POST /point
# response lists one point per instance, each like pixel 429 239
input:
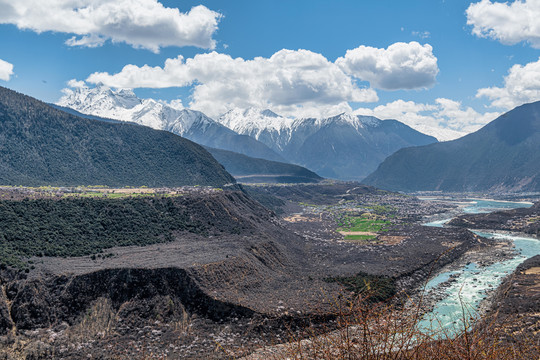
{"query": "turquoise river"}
pixel 472 283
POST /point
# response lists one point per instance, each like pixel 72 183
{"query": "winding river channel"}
pixel 472 283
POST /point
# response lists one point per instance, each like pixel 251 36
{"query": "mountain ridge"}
pixel 252 170
pixel 504 155
pixel 124 105
pixel 41 145
pixel 345 146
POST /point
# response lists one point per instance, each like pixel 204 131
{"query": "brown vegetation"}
pixel 384 332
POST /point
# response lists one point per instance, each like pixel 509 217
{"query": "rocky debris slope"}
pixel 322 193
pixel 516 307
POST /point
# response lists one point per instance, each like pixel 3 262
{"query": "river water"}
pixel 472 283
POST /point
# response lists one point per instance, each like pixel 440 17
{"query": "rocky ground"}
pixel 516 305
pixel 251 280
pixel 524 220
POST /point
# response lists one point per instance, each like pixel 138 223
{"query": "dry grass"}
pixel 386 332
pixel 301 218
pixel 98 322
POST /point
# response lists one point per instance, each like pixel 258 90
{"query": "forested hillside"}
pixel 40 145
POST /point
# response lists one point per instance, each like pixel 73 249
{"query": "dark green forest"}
pixel 86 226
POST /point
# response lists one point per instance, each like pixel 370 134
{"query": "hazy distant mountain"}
pixel 41 145
pixel 502 156
pixel 251 170
pixel 344 146
pixel 124 105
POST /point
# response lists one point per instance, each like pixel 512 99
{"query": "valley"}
pixel 184 251
pixel 269 180
pixel 344 146
pixel 231 278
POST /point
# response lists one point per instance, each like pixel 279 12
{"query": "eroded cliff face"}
pixel 6 323
pixel 134 295
pixel 232 248
pixel 114 313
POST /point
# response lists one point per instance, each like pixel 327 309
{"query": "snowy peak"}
pixel 369 120
pixel 125 98
pixel 356 121
pixel 252 121
pixel 101 98
pixel 101 101
pixel 269 113
pixel 279 133
pixel 182 121
pixel 125 105
pixel 193 125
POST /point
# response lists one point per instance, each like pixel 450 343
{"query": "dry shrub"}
pixel 98 322
pixel 388 332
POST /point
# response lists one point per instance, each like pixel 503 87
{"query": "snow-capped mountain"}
pixel 124 105
pixel 264 125
pixel 344 146
pixel 250 119
pixel 276 131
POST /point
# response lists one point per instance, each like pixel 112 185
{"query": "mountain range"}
pixel 503 156
pixel 124 105
pixel 344 147
pixel 244 168
pixel 41 145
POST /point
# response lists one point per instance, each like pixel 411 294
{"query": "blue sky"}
pixel 470 50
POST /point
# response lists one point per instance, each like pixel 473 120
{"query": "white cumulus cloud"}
pixel 74 83
pixel 6 70
pixel 292 82
pixel 140 23
pixel 444 119
pixel 509 23
pixel 400 66
pixel 521 85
